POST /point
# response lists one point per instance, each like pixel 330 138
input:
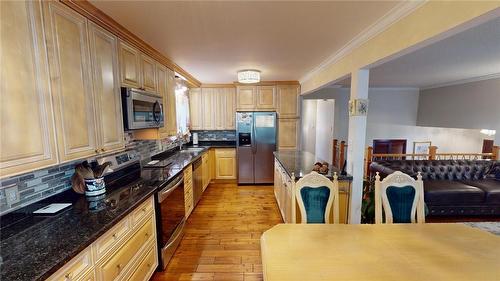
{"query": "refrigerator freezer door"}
pixel 244 147
pixel 264 146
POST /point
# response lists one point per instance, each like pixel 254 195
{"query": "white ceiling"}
pixel 470 54
pixel 213 39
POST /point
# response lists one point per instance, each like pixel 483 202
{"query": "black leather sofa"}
pixel 452 187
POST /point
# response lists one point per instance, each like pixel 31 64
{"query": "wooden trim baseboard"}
pixel 100 18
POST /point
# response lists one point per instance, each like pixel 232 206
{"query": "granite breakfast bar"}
pixel 296 164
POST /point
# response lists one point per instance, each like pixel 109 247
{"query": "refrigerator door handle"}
pixel 254 137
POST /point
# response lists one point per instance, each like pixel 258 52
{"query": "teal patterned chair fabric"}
pixel 316 195
pixel 400 197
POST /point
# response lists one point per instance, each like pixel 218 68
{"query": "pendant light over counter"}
pixel 249 76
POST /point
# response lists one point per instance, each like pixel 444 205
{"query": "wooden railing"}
pixel 339 153
pixel 432 155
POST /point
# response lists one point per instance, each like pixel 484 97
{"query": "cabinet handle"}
pixel 114 236
pixel 119 267
pixel 143 210
pixel 149 264
pixel 147 234
pixel 68 276
pixel 97 151
pixel 102 149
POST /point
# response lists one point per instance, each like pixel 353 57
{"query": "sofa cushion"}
pixel 444 192
pixel 490 186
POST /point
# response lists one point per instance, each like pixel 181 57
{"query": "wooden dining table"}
pixel 426 252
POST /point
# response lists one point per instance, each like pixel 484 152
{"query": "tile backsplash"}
pixel 37 185
pixel 221 135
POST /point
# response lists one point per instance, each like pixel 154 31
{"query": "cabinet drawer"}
pixel 111 238
pixel 76 268
pixel 142 212
pixel 118 263
pixel 146 266
pixel 225 152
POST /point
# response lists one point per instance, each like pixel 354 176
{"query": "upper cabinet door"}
pixel 288 134
pixel 246 97
pixel 104 56
pixel 195 109
pixel 71 81
pixel 148 66
pixel 230 110
pixel 219 109
pixel 266 97
pixel 208 108
pixel 130 65
pixel 171 111
pixel 26 128
pixel 287 101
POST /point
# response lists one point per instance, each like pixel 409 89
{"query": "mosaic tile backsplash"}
pixel 37 185
pixel 222 135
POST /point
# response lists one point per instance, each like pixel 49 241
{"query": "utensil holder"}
pixel 94 187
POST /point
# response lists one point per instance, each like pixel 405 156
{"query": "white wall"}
pixel 308 126
pixel 446 139
pixel 474 105
pixel 324 129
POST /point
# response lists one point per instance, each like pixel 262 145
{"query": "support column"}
pixel 356 143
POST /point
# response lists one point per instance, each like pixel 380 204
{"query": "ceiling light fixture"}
pixel 249 76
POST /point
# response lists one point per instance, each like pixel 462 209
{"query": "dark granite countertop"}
pixel 301 163
pixel 38 246
pixel 214 144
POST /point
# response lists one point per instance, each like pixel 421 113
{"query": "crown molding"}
pixel 463 81
pixel 394 15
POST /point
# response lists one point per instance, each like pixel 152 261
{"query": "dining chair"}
pixel 316 194
pixel 400 197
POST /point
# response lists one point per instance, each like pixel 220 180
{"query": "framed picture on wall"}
pixel 421 147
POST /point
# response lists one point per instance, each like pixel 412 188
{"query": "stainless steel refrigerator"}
pixel 256 142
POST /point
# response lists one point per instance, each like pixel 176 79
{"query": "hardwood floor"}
pixel 222 240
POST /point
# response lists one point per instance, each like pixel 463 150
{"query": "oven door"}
pixel 142 110
pixel 171 218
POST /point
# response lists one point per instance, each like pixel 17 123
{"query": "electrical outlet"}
pixel 12 195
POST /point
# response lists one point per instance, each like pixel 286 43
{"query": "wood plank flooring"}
pixel 222 240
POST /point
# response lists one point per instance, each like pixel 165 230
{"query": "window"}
pixel 182 108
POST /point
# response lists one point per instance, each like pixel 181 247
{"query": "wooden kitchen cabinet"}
pixel 287 96
pixel 72 90
pixel 25 92
pixel 246 98
pixel 128 251
pixel 137 69
pixel 266 98
pixel 225 163
pixel 230 109
pixel 208 102
pixel 211 162
pixel 195 109
pixel 108 107
pixel 288 134
pixel 148 74
pixel 130 66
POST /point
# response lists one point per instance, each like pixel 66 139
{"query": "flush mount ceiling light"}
pixel 248 76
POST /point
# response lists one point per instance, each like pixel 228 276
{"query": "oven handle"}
pixel 164 193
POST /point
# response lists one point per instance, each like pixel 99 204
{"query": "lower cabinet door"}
pixel 118 264
pixel 146 266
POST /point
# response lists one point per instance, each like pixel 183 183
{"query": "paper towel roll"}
pixel 195 138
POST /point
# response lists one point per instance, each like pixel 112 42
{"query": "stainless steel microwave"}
pixel 141 109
